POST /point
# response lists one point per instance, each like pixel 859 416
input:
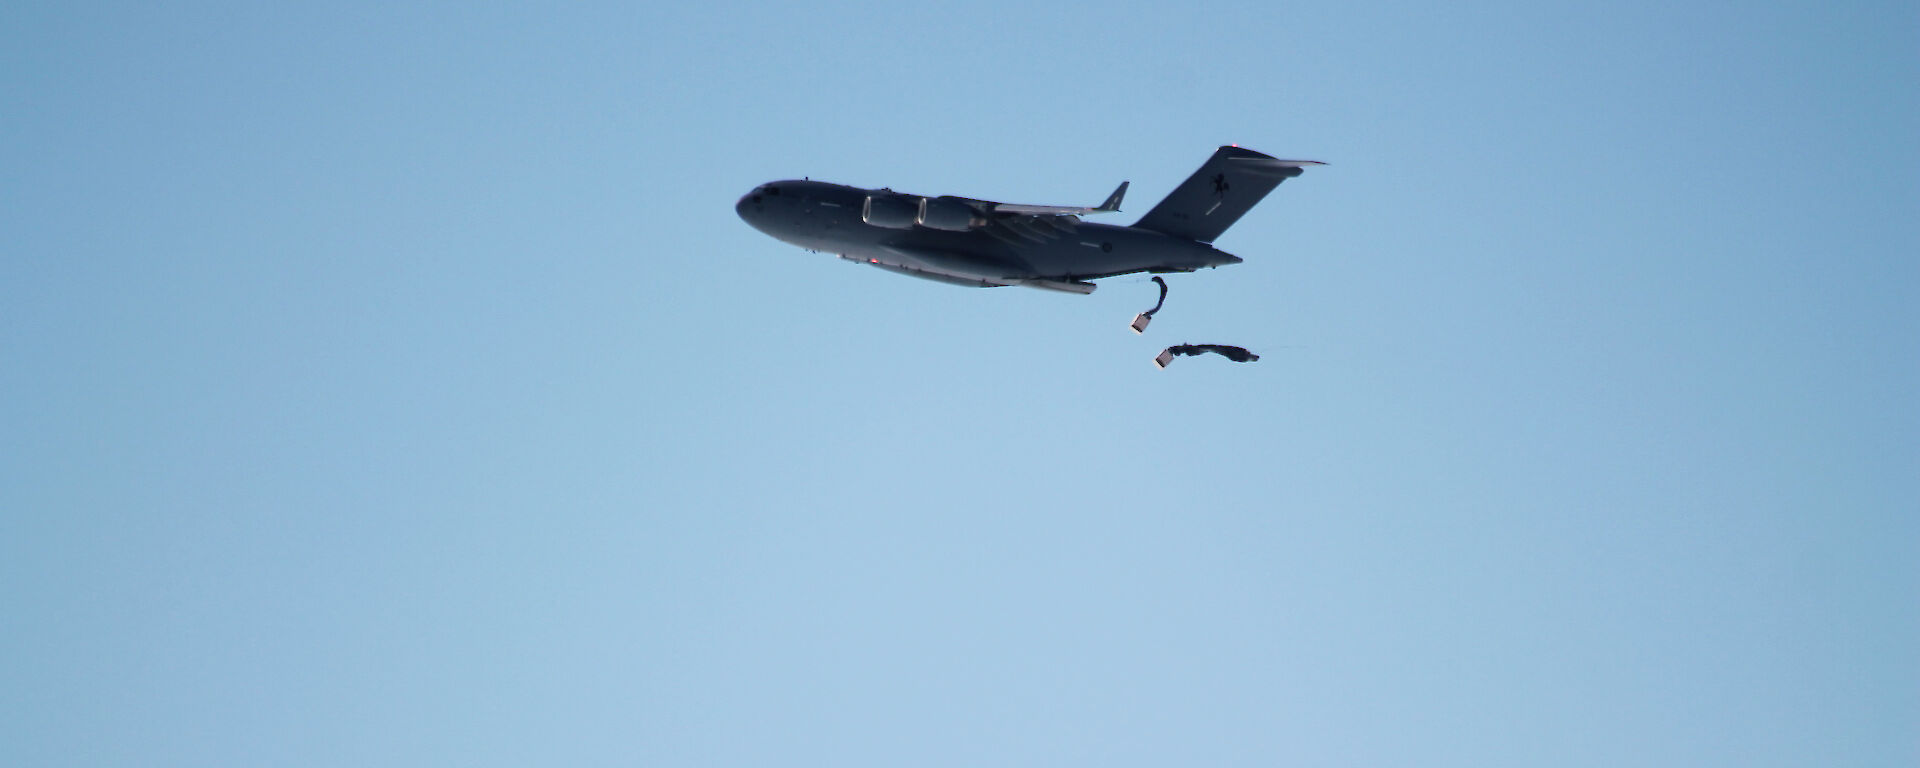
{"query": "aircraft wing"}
pixel 1112 204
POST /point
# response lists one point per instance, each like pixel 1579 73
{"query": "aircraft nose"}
pixel 752 207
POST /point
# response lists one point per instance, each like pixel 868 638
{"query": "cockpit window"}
pixel 772 190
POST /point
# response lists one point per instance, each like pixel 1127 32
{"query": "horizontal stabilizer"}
pixel 1276 165
pixel 1227 186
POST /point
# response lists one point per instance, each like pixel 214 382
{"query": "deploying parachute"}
pixel 1140 321
pixel 1236 354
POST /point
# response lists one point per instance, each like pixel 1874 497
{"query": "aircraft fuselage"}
pixel 1048 252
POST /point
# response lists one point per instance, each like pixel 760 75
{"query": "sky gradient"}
pixel 396 386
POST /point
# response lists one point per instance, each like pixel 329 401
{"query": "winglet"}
pixel 1112 204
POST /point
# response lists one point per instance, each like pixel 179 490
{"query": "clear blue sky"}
pixel 396 386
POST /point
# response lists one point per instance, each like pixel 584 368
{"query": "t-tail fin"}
pixel 1224 189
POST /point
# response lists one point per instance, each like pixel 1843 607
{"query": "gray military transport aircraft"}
pixel 982 243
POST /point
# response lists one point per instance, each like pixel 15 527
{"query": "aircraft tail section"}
pixel 1214 197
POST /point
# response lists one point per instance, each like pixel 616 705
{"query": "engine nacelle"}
pixel 948 214
pixel 890 211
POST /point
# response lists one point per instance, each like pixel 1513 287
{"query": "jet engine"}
pixel 890 211
pixel 946 213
